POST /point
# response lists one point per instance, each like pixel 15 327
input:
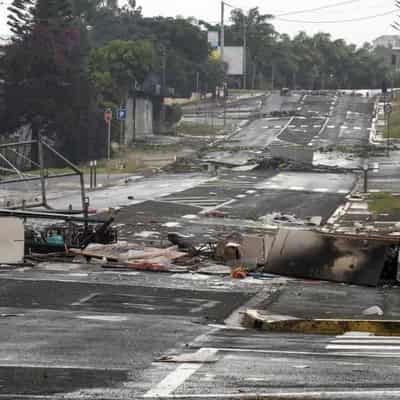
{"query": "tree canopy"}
pixel 69 58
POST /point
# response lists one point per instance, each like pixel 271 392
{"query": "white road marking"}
pixel 371 345
pixel 367 340
pixel 321 190
pixel 331 126
pixel 178 376
pixel 85 299
pixel 350 394
pixel 273 187
pixel 210 304
pixel 297 188
pixel 357 128
pixel 361 347
pixel 105 318
pixel 228 203
pixel 343 191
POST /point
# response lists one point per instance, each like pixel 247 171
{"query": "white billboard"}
pixel 213 39
pixel 234 57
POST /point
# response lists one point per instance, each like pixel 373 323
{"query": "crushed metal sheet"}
pixel 219 270
pixel 311 255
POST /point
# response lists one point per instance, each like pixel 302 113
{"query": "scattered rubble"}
pixel 375 310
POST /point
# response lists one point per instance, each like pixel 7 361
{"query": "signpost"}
pixel 121 114
pixel 121 117
pixel 108 115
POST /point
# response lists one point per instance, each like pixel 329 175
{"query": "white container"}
pixel 12 240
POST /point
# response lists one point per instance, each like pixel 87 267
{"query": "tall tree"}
pixel 115 68
pixel 44 71
pixel 20 18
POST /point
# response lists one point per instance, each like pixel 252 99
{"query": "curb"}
pixel 277 323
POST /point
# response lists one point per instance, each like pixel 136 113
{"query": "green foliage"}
pixel 309 62
pixel 44 73
pixel 115 68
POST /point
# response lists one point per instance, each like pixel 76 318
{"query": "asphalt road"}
pixel 85 333
pixel 274 366
pixel 63 332
pixel 321 121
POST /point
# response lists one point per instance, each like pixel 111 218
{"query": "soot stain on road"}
pixel 46 381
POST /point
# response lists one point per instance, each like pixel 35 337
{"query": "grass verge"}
pixel 187 128
pixel 383 202
pixel 394 131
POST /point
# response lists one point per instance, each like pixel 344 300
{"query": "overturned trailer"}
pixel 361 260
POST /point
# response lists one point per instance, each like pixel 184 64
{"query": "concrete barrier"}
pixel 276 323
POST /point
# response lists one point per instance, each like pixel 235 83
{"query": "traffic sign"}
pixel 121 114
pixel 108 116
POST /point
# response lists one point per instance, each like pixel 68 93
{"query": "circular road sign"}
pixel 108 116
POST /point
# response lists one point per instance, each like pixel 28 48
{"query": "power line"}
pixel 338 21
pixel 334 5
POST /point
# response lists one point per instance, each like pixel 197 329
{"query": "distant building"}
pixel 388 41
pixel 388 48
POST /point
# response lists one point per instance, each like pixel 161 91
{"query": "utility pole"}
pixel 197 82
pixel 273 76
pixel 222 30
pixel 244 52
pixel 164 69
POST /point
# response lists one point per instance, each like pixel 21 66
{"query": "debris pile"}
pixel 132 256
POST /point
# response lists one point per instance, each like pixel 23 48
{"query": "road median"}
pixel 277 323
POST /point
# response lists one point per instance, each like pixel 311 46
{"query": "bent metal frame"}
pixel 22 176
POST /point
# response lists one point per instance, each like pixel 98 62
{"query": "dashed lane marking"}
pixel 297 188
pixel 321 190
pixel 85 299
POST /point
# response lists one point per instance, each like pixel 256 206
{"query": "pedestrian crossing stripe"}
pixel 365 343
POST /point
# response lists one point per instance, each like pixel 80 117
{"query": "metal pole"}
pixel 365 180
pixel 244 52
pixel 83 194
pixel 164 70
pixel 91 174
pixel 273 76
pixel 109 140
pixel 42 176
pixel 86 213
pixel 222 30
pixel 197 82
pixel 388 133
pixel 95 174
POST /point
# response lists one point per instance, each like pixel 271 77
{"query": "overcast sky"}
pixel 355 32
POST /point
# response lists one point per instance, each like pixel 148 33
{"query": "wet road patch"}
pixel 51 380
